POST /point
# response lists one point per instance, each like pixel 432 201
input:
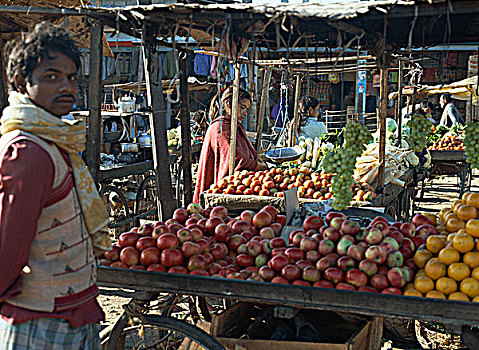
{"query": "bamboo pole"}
pixel 297 92
pixel 3 87
pixel 161 158
pixel 262 108
pixel 185 132
pixel 382 124
pixel 234 118
pixel 399 103
pixel 94 99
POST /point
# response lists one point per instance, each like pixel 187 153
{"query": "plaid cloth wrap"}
pixel 48 333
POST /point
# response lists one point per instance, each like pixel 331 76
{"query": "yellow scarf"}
pixel 23 115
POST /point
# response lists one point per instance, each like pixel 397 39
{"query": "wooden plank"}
pixel 234 118
pixel 262 108
pixel 185 132
pixel 297 92
pixel 164 200
pixel 445 311
pixel 125 170
pixel 383 95
pixel 94 99
pixel 399 115
pixel 3 80
pixel 375 333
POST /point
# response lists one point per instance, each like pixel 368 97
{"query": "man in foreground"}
pixel 52 221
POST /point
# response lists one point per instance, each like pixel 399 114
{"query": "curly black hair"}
pixel 305 104
pixel 25 53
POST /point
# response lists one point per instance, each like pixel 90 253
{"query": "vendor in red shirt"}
pixel 52 220
pixel 215 153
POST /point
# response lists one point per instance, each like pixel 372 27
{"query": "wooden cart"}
pixel 450 163
pixel 454 315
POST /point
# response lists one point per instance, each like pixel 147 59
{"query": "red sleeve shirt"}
pixel 26 179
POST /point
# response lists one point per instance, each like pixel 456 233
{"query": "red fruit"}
pixel 190 248
pixel 180 215
pixel 129 256
pixel 281 219
pixel 222 233
pixel 211 224
pixel 304 263
pixel 345 286
pixel 311 274
pixel 272 211
pixel 396 277
pixel 114 253
pixel 199 272
pixel 294 254
pixel 326 246
pixel 334 214
pixel 262 219
pixel 292 234
pixel 391 290
pixel 105 262
pixel 128 239
pixel 379 281
pixel 332 234
pixel 350 227
pixel 235 276
pixel 368 266
pixel 145 230
pixel 150 256
pixel 184 235
pixel 368 289
pixel 218 250
pixel 323 284
pixel 278 262
pixel 266 273
pixel 420 219
pixel 356 277
pixel 236 241
pixel 297 238
pixel 290 272
pixel 334 275
pixel 278 251
pixel 346 263
pixel 171 257
pixel 267 232
pixel 408 229
pixel 214 268
pixel 313 256
pixel 333 257
pixel 244 260
pixel 241 226
pixel 280 280
pixel 247 234
pixel 308 243
pixel 323 264
pixel 178 270
pixel 301 283
pixel 277 242
pixel 219 211
pixel 137 267
pixel 425 231
pixel 247 216
pixel 276 227
pixel 119 265
pixel 313 222
pixel 156 267
pixel 204 244
pixel 196 262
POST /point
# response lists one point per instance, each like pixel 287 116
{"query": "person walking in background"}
pixel 450 115
pixel 52 220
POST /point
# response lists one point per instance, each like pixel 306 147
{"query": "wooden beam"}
pixel 94 99
pixel 234 118
pixel 297 92
pixel 3 81
pixel 185 132
pixel 399 115
pixel 156 102
pixel 383 100
pixel 262 108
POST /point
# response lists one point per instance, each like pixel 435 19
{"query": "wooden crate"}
pixel 230 326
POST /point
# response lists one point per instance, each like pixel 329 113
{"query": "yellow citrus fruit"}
pixel 446 285
pixel 458 271
pixel 455 205
pixel 463 242
pixel 435 269
pixel 465 196
pixel 471 259
pixel 443 213
pixel 449 255
pixel 475 273
pixel 454 224
pixel 435 295
pixel 470 287
pixel 450 237
pixel 421 258
pixel 466 212
pixel 409 286
pixel 413 293
pixel 435 243
pixel 475 300
pixel 473 200
pixel 423 284
pixel 462 230
pixel 458 296
pixel 472 228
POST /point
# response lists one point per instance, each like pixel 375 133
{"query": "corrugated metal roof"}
pixel 332 11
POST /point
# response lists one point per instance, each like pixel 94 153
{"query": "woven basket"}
pixel 401 332
pixel 433 336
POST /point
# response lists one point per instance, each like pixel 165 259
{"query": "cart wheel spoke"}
pixel 146 196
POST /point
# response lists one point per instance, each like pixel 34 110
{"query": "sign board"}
pixel 291 202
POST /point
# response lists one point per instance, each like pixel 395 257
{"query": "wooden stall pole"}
pixel 383 90
pixel 399 103
pixel 3 87
pixel 185 131
pixel 262 108
pixel 161 159
pixel 234 118
pixel 94 99
pixel 297 92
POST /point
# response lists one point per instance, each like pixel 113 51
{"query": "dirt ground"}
pixel 437 195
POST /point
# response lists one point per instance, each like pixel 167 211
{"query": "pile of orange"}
pixel 449 266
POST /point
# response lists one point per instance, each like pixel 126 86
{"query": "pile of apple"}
pixel 198 241
pixel 274 182
pixel 377 258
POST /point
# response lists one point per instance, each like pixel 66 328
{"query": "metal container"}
pixel 144 140
pixel 129 147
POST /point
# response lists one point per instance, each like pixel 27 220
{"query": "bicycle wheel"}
pixel 146 196
pixel 157 332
